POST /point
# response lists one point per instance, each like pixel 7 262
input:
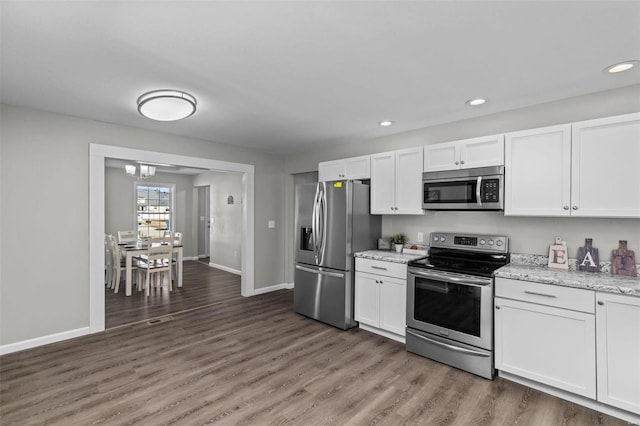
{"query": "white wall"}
pixel 528 235
pixel 226 219
pixel 48 155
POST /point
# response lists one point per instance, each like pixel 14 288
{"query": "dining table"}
pixel 139 247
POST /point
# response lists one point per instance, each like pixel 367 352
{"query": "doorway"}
pixel 203 215
pixel 97 156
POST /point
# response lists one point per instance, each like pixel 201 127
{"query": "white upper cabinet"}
pixel 396 182
pixel 346 168
pixel 465 154
pixel 538 172
pixel 605 167
pixel 588 169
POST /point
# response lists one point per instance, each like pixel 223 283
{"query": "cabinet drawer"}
pixel 546 294
pixel 380 267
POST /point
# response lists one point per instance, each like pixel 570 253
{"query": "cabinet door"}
pixel 358 167
pixel 538 172
pixel 442 156
pixel 618 331
pixel 383 178
pixel 331 170
pixel 367 299
pixel 482 152
pixel 408 183
pixel 605 174
pixel 549 345
pixel 393 305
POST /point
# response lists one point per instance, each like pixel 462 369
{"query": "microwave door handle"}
pixel 478 191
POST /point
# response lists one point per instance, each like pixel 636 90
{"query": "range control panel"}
pixel 473 242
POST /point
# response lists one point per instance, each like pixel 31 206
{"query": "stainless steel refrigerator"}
pixel 332 222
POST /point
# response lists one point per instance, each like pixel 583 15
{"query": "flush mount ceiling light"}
pixel 385 123
pixel 146 171
pixel 476 101
pixel 166 105
pixel 621 66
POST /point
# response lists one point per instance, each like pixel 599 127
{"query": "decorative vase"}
pixel 399 248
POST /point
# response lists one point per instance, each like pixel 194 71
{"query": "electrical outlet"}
pixel 420 237
pixel 271 224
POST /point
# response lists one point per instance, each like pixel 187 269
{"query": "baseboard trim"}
pixel 382 332
pixel 225 268
pixel 578 399
pixel 44 340
pixel 276 287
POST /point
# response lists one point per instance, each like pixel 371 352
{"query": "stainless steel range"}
pixel 450 300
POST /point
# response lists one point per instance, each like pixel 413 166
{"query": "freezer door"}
pixel 324 295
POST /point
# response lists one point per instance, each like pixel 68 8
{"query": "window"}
pixel 154 214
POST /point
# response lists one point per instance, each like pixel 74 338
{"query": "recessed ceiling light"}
pixel 476 101
pixel 385 123
pixel 166 105
pixel 620 67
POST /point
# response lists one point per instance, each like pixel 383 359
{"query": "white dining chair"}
pixel 177 240
pixel 108 260
pixel 118 264
pixel 156 263
pixel 127 237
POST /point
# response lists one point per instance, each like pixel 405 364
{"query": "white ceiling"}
pixel 292 76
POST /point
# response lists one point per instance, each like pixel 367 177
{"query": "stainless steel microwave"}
pixel 465 189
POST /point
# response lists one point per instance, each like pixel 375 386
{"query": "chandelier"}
pixel 146 171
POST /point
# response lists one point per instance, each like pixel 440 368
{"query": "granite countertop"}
pixel 598 281
pixel 388 256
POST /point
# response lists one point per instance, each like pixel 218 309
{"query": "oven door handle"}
pixel 451 278
pixel 450 347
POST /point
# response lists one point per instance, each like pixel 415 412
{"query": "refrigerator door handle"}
pixel 314 222
pixel 323 208
pixel 319 272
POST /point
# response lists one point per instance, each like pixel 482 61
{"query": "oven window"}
pixel 451 306
pixel 450 192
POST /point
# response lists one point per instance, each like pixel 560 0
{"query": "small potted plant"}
pixel 398 241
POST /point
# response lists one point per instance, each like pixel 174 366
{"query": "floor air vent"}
pixel 159 320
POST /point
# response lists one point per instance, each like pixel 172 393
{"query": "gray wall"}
pixel 226 226
pixel 528 235
pixel 45 162
pixel 120 204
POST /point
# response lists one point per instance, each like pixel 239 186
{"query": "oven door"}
pixel 455 306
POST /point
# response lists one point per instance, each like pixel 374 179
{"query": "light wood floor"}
pixel 253 361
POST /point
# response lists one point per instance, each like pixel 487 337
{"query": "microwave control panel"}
pixel 490 192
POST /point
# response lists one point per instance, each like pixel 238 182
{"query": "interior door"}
pixel 203 220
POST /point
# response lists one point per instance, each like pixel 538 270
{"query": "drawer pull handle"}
pixel 540 294
pixel 378 267
pixel 600 302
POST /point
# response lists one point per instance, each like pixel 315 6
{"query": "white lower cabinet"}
pixel 381 297
pixel 549 345
pixel 580 341
pixel 618 346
